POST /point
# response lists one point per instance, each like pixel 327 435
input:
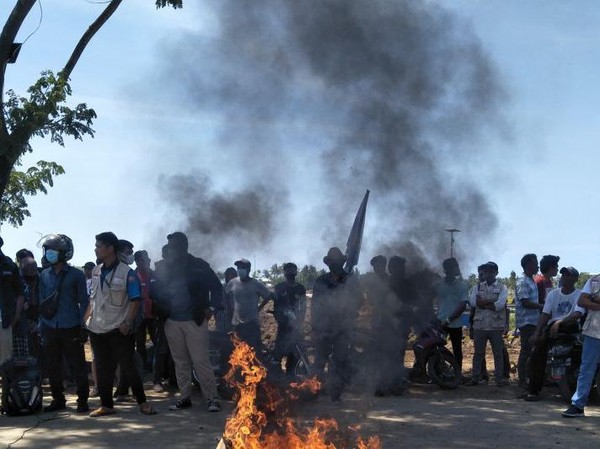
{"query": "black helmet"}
pixel 60 243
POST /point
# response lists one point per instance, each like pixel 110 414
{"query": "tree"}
pixel 44 113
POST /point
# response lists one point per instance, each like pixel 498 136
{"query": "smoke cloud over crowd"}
pixel 395 97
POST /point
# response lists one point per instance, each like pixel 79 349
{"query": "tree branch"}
pixel 87 36
pixel 7 38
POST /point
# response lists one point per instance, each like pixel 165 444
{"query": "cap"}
pixel 242 263
pixel 334 255
pixel 569 271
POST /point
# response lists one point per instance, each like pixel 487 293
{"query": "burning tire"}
pixel 443 370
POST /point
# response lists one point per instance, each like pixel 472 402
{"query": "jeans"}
pixel 589 364
pixel 527 332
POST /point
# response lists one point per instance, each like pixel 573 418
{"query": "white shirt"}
pixel 591 327
pixel 558 305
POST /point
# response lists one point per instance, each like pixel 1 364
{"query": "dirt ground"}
pixel 485 416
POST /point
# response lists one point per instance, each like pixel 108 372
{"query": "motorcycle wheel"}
pixel 443 370
pixel 568 384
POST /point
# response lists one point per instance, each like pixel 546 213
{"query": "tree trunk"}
pixel 7 162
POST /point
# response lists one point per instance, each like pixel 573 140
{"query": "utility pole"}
pixel 452 231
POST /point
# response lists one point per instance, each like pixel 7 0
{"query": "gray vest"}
pixel 109 301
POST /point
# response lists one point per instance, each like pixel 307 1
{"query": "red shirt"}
pixel 145 283
pixel 543 285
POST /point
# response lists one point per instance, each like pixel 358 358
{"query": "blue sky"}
pixel 540 180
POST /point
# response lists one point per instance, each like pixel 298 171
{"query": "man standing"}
pixel 560 314
pixel 590 357
pixel 147 325
pixel 114 304
pixel 528 310
pixel 548 269
pixel 188 287
pixel 489 321
pixel 334 310
pixel 452 296
pixel 246 293
pixel 63 333
pixel 289 310
pixel 11 304
pixel 223 317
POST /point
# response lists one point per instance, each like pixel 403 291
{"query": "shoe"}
pixel 213 405
pixel 147 409
pixel 102 411
pixel 83 407
pixel 532 397
pixel 181 404
pixel 473 383
pixel 158 387
pixel 573 412
pixel 502 383
pixel 55 406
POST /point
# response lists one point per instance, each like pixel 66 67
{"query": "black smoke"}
pixel 394 96
pixel 223 226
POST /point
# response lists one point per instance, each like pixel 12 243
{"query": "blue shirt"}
pixel 134 286
pixel 526 289
pixel 72 299
pixel 450 295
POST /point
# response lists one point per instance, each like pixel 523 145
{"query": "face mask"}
pixel 126 258
pixel 242 272
pixel 52 256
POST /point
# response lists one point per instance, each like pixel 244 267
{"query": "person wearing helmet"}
pixel 63 333
pixel 334 311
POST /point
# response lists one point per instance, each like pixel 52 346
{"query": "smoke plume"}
pixel 391 96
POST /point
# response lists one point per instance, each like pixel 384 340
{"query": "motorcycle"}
pixel 434 360
pixel 563 362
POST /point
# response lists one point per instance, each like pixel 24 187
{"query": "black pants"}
pixel 110 349
pixel 147 327
pixel 65 343
pixel 456 334
pixel 250 333
pixel 335 348
pixel 162 365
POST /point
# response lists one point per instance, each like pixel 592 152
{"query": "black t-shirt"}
pixel 288 296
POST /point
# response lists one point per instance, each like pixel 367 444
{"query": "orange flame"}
pixel 250 428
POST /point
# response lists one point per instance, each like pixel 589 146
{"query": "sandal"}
pixel 147 409
pixel 102 411
pixel 531 397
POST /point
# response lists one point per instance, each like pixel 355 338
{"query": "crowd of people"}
pixel 51 313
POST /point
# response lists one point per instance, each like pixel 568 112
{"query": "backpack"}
pixel 21 386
